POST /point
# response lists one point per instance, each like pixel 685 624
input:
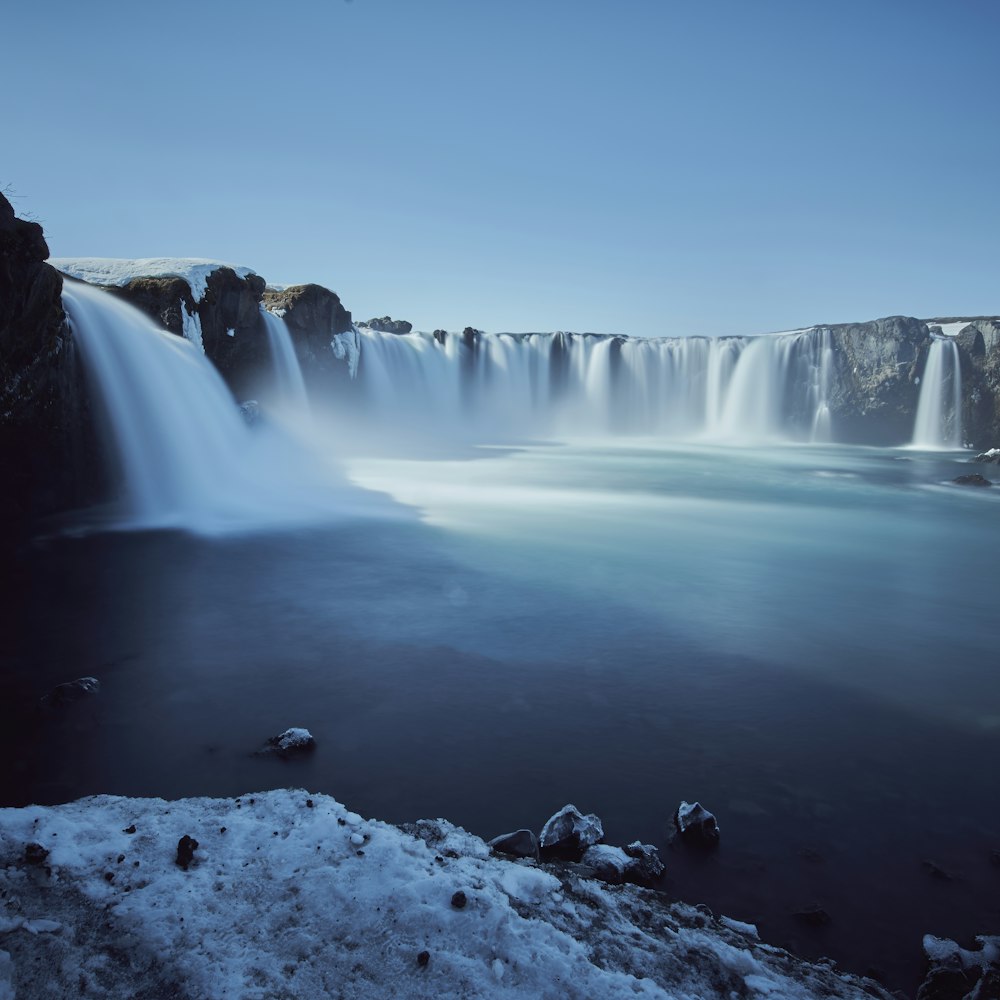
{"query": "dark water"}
pixel 802 639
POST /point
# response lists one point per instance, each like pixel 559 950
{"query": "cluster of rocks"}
pixel 573 838
pixel 386 324
pixel 576 840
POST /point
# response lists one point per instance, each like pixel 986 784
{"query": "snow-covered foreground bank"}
pixel 291 895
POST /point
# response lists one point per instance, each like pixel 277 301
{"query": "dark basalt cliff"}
pixel 44 431
pixel 875 387
pixel 232 329
pixel 979 354
pixel 314 316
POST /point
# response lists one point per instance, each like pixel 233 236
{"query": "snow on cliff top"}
pixel 289 894
pixel 115 271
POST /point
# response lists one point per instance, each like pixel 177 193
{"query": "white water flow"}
pixel 938 423
pixel 184 455
pixel 287 371
pixel 728 390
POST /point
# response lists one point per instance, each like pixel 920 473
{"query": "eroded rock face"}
pixel 43 426
pixel 314 316
pixel 979 357
pixel 226 323
pixel 875 388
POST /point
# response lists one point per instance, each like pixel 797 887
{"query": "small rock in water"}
pixel 696 824
pixel 991 457
pixel 936 871
pixel 290 743
pixel 813 915
pixel 519 844
pixel 973 480
pixel 186 847
pixel 71 691
pixel 250 411
pixel 569 833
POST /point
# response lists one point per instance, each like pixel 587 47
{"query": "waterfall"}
pixel 184 455
pixel 733 389
pixel 938 423
pixel 287 371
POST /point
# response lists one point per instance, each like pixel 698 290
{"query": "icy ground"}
pixel 115 271
pixel 290 895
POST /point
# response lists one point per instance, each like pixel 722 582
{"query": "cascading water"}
pixel 938 424
pixel 184 454
pixel 287 371
pixel 726 390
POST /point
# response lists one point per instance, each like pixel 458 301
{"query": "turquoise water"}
pixel 800 637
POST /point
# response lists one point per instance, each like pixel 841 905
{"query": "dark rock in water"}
pixel 291 743
pixel 973 480
pixel 35 854
pixel 459 899
pixel 696 824
pixel 423 958
pixel 645 866
pixel 991 457
pixel 186 847
pixel 386 324
pixel 947 984
pixel 520 844
pixel 250 410
pixel 441 336
pixel 569 833
pixel 71 692
pixel 936 871
pixel 812 916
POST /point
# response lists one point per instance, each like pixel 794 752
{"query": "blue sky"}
pixel 635 167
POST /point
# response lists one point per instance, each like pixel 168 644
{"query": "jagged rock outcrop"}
pixel 226 322
pixel 979 356
pixel 43 437
pixel 314 316
pixel 875 387
pixel 386 324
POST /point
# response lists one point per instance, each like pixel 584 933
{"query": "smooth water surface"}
pixel 802 638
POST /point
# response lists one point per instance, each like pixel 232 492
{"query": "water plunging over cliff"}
pixel 727 389
pixel 287 371
pixel 938 423
pixel 183 453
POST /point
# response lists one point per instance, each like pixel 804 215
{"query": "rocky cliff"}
pixel 225 321
pixel 875 387
pixel 315 318
pixel 979 354
pixel 44 435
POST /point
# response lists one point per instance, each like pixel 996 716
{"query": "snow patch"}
pixel 278 901
pixel 115 271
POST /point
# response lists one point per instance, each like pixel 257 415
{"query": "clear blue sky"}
pixel 725 166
